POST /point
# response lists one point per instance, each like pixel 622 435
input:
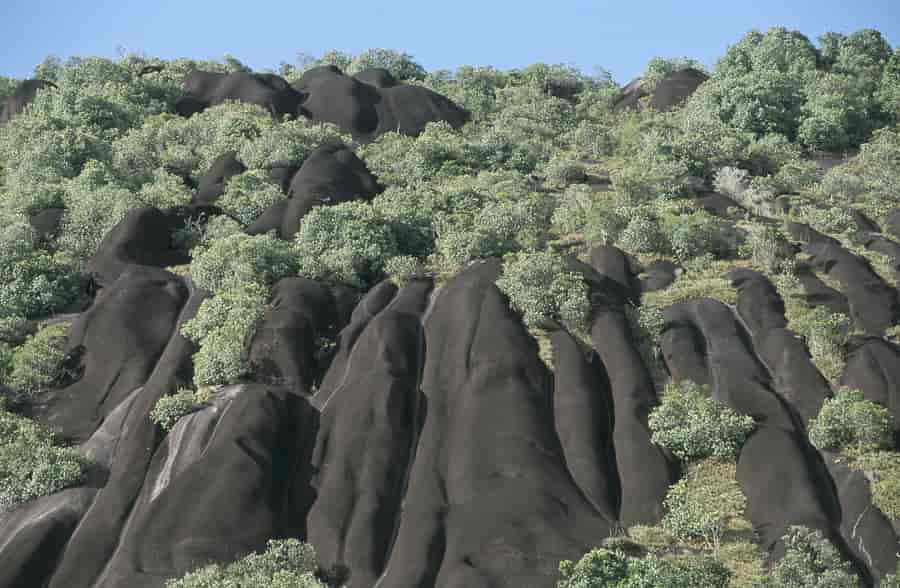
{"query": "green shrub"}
pixel 694 426
pixel 810 561
pixel 850 422
pixel 347 242
pixel 248 195
pixel 286 563
pixel 699 233
pixel 498 228
pixel 643 233
pixel 702 505
pixel 540 286
pixel 402 268
pixel 288 143
pixel 240 259
pixel 882 468
pixel 889 89
pixel 169 409
pixel 646 324
pixel 573 209
pixel 164 190
pixel 826 335
pixel 649 176
pixel 603 568
pixel 768 247
pixel 35 284
pixel 401 65
pixel 769 153
pixel 31 463
pixel 224 327
pixel 38 363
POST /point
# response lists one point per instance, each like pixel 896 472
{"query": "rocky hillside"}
pixel 359 324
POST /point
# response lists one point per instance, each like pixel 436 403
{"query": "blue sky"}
pixel 620 36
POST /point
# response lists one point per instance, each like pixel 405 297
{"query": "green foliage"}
pixel 699 233
pixel 850 422
pixel 541 287
pixel 649 176
pixel 286 563
pixel 401 65
pixel 31 462
pixel 769 248
pixel 248 195
pixel 826 335
pixel 347 242
pixel 810 561
pixel 498 228
pixel 889 89
pixel 169 409
pixel 33 282
pixel 574 207
pixel 224 327
pixel 39 362
pixel 94 205
pixel 402 268
pixel 882 468
pixel 603 568
pixel 646 324
pixel 694 426
pixel 702 505
pixel 288 143
pixel 241 259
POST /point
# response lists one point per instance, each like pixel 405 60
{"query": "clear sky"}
pixel 620 35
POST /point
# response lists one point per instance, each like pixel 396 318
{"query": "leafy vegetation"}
pixel 694 426
pixel 32 464
pixel 541 287
pixel 168 410
pixel 850 422
pixel 810 561
pixel 601 568
pixel 39 362
pixel 286 563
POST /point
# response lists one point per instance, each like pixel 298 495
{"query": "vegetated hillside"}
pixel 359 324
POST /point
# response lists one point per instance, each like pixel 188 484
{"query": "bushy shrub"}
pixel 649 177
pixel 541 287
pixel 646 323
pixel 38 363
pixel 701 505
pixel 768 247
pixel 224 327
pixel 164 190
pixel 591 139
pixel 498 228
pixel 575 206
pixel 35 283
pixel 347 242
pixel 248 195
pixel 286 563
pixel 810 561
pixel 693 426
pixel 889 89
pixel 31 462
pixel 241 259
pixel 769 153
pixel 604 568
pixel 643 233
pixel 401 65
pixel 169 409
pixel 826 335
pixel 402 268
pixel 288 143
pixel 699 233
pixel 850 422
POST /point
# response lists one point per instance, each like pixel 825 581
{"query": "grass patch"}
pixel 708 281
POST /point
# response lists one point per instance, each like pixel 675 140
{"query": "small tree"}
pixel 694 426
pixel 850 422
pixel 701 505
pixel 541 287
pixel 604 568
pixel 38 363
pixel 810 561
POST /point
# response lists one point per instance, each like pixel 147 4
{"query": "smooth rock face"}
pixel 672 91
pixel 370 105
pixel 205 89
pixel 332 174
